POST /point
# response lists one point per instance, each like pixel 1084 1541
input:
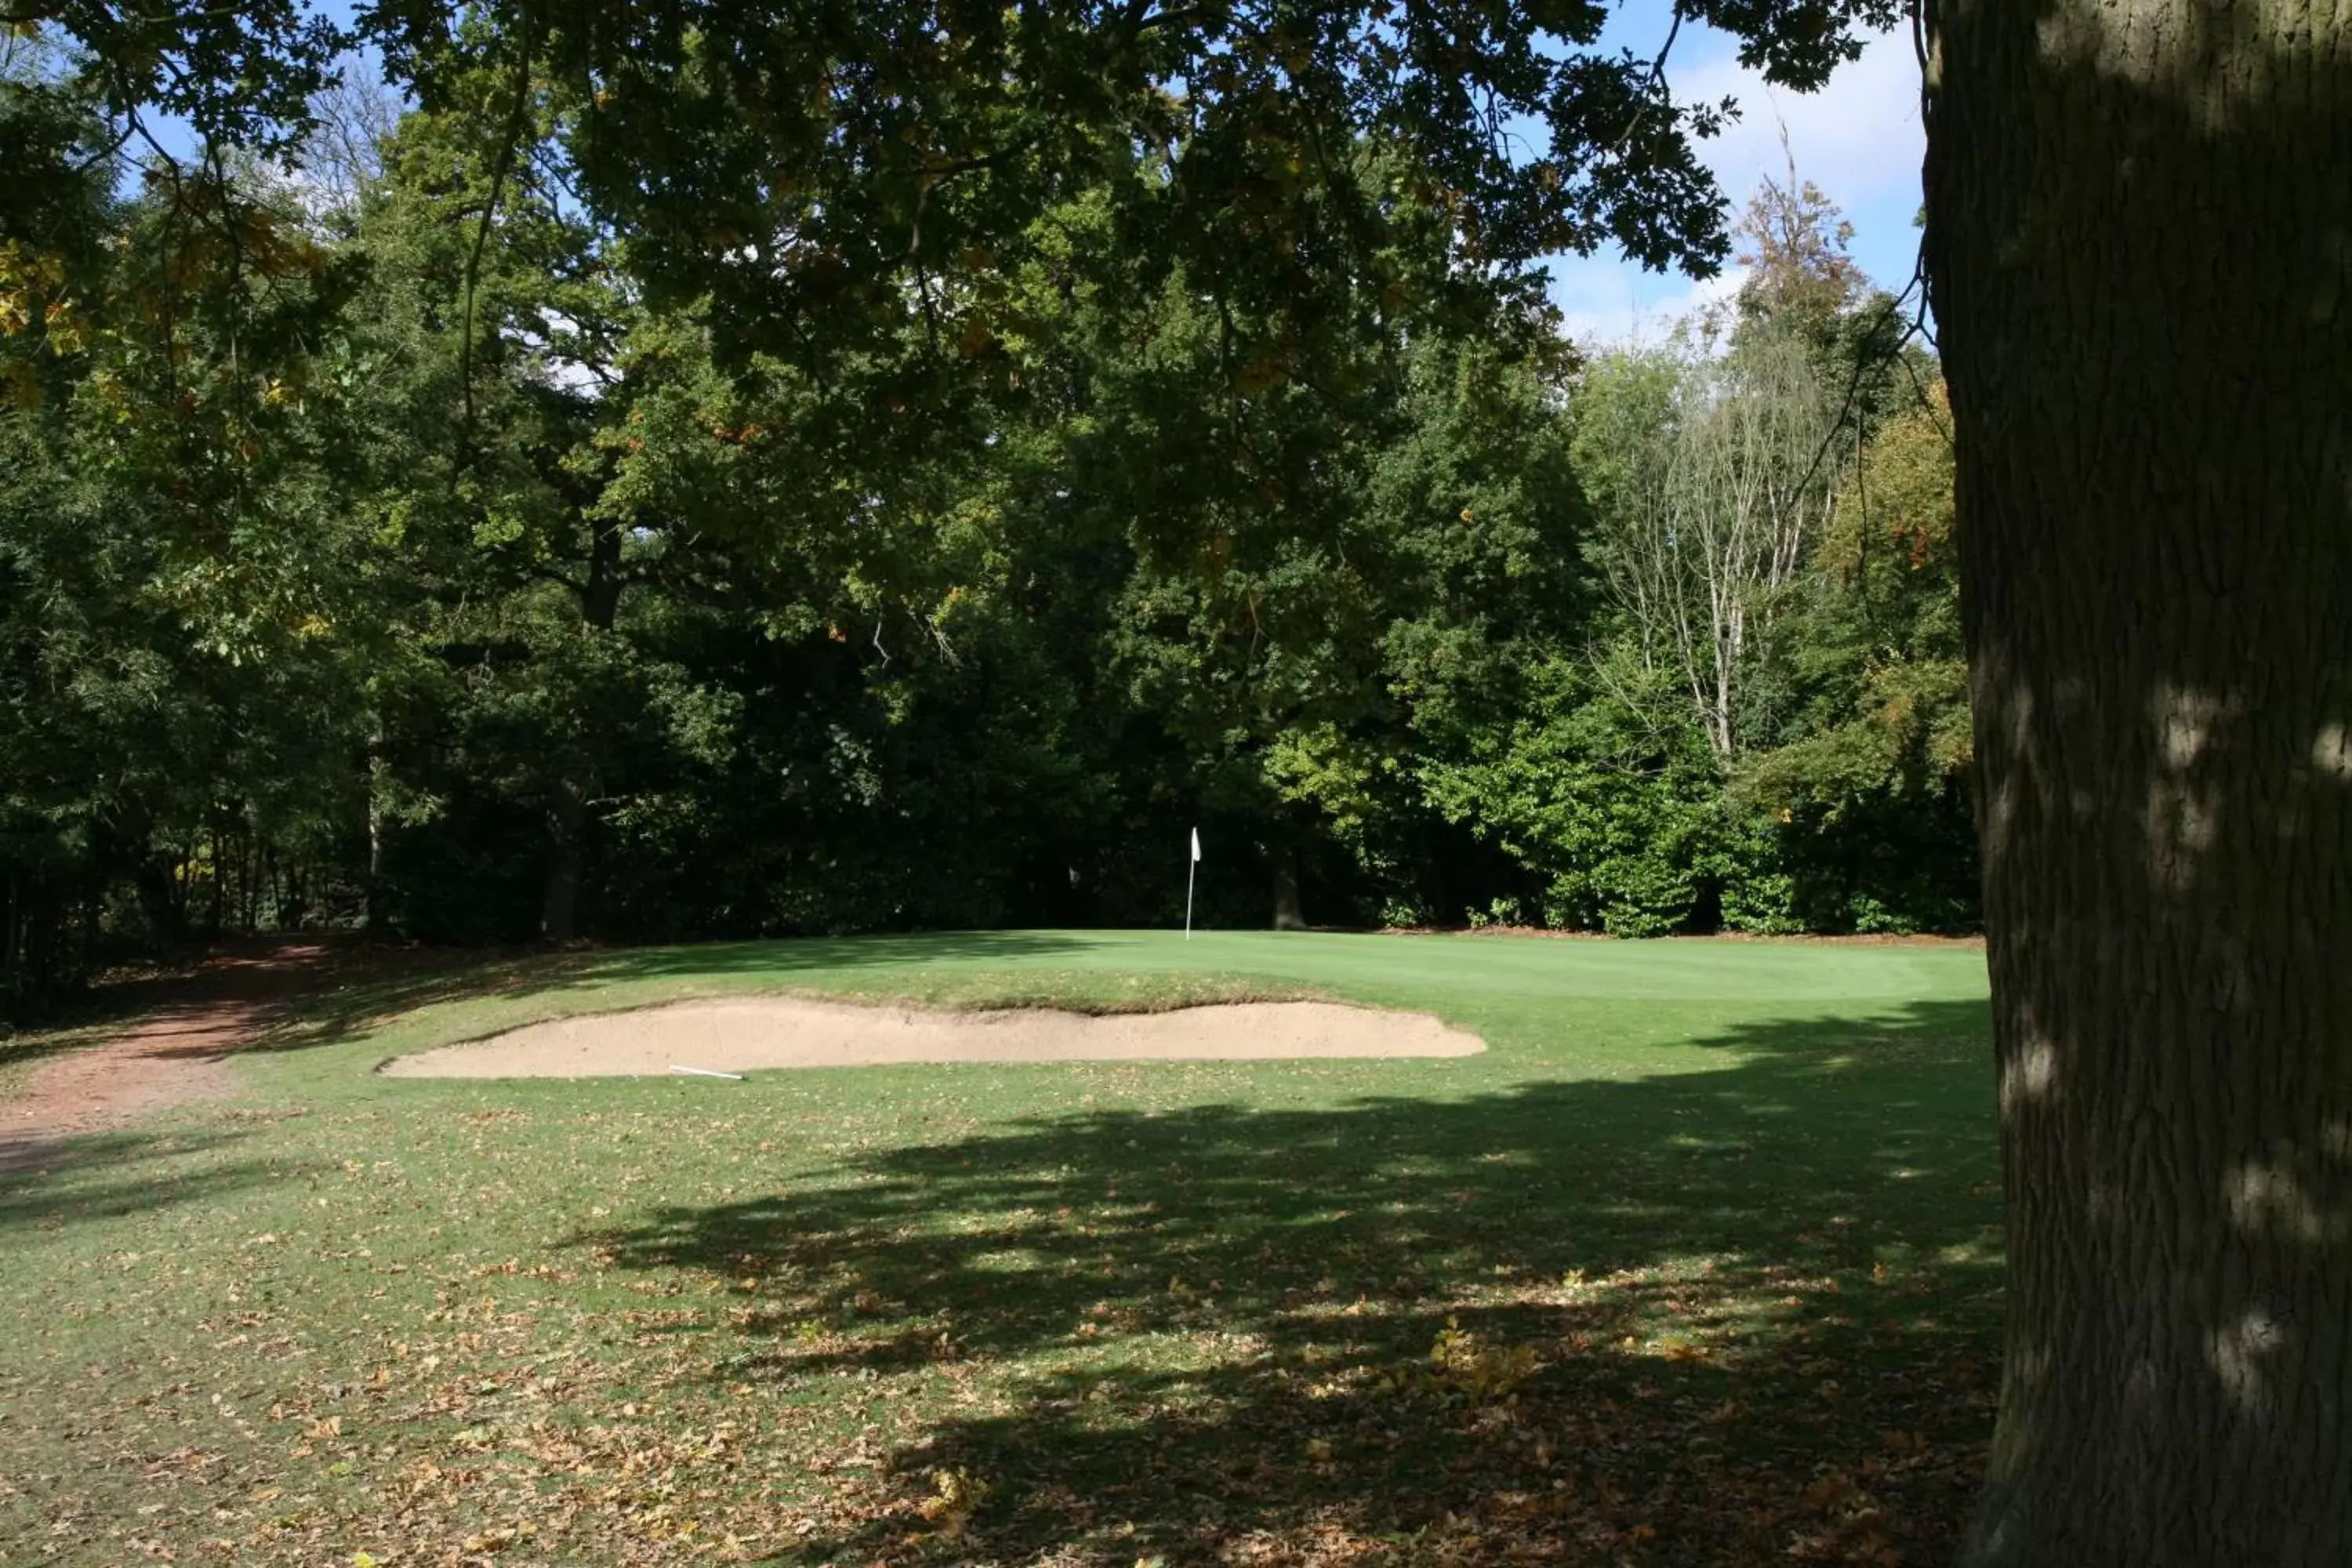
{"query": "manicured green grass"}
pixel 1698 1263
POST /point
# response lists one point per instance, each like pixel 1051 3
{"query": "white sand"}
pixel 753 1033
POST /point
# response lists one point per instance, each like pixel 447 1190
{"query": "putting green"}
pixel 1612 1006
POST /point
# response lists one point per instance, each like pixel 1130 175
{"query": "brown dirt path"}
pixel 175 1053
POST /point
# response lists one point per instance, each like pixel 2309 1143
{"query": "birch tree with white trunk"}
pixel 1719 501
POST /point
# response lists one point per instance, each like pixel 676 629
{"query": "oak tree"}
pixel 2135 216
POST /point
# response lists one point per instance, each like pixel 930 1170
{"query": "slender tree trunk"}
pixel 219 877
pixel 41 939
pixel 372 893
pixel 567 813
pixel 567 818
pixel 2138 215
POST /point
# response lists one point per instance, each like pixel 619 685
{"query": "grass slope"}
pixel 1698 1263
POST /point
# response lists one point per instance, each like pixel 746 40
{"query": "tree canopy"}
pixel 792 468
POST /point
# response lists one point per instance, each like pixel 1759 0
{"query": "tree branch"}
pixel 526 46
pixel 1656 79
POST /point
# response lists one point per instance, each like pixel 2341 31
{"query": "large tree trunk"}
pixel 163 887
pixel 1289 910
pixel 567 822
pixel 2140 228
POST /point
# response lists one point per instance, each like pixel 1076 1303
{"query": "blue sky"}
pixel 1859 139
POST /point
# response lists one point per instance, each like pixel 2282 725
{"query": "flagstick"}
pixel 1191 870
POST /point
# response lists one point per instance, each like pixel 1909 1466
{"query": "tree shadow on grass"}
pixel 293 993
pixel 278 983
pixel 103 1175
pixel 379 984
pixel 237 971
pixel 1736 1316
pixel 27 1047
pixel 308 990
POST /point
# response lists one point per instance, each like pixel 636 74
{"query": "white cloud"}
pixel 1859 139
pixel 1606 303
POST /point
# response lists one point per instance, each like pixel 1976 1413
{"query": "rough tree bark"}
pixel 2139 220
pixel 1289 911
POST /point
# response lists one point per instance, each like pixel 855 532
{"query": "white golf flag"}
pixel 1192 873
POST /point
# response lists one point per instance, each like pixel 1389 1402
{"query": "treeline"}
pixel 382 541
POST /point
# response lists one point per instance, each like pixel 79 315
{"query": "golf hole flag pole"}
pixel 1190 872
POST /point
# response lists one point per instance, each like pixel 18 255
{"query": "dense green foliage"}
pixel 434 527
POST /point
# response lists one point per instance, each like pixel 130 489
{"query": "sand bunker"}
pixel 748 1034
